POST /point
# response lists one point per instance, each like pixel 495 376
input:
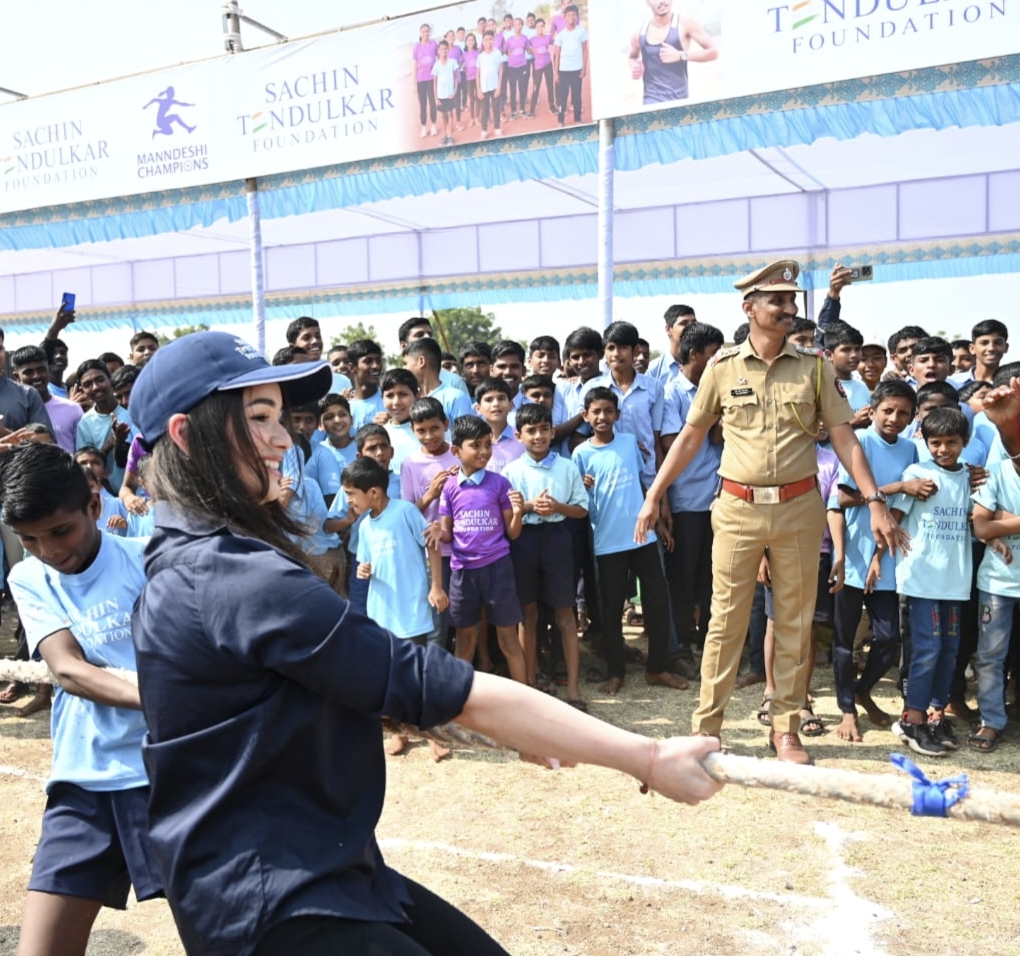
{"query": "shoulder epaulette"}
pixel 814 353
pixel 724 354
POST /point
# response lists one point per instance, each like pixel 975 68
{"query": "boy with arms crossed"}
pixel 75 593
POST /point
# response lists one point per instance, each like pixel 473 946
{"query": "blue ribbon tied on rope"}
pixel 932 798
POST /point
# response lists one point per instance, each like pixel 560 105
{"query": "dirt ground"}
pixel 579 862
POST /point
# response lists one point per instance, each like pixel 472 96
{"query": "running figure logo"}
pixel 164 118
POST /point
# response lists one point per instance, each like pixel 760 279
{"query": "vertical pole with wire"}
pixel 607 168
pixel 258 292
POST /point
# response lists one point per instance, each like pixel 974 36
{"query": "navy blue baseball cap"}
pixel 191 368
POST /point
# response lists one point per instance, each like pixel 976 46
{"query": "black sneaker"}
pixel 944 734
pixel 919 738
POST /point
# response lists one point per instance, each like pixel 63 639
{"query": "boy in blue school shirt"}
pixel 640 397
pixel 610 464
pixel 320 464
pixel 75 591
pixel 549 490
pixel 935 576
pixel 889 454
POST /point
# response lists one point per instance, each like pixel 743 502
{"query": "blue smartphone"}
pixel 67 302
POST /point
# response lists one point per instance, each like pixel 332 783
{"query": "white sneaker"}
pixel 499 132
pixel 424 132
pixel 433 129
pixel 484 135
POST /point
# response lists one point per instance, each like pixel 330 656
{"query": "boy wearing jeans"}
pixel 935 575
pixel 488 79
pixel 998 581
pixel 610 466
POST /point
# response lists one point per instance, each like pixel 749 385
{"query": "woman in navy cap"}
pixel 263 691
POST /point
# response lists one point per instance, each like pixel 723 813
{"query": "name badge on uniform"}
pixel 741 392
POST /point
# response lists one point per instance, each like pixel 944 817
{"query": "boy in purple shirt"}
pixel 479 518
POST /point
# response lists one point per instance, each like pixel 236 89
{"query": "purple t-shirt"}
pixel 516 50
pixel 479 534
pixel 471 64
pixel 425 55
pixel 64 417
pixel 457 55
pixel 559 22
pixel 540 49
pixel 416 473
pixel 828 469
pixel 504 451
pixel 498 41
pixel 135 454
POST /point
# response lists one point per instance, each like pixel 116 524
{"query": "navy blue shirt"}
pixel 263 693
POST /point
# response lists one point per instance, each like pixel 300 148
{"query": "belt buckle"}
pixel 765 495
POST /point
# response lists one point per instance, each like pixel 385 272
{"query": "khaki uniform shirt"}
pixel 770 413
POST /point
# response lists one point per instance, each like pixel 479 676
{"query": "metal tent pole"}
pixel 258 292
pixel 607 165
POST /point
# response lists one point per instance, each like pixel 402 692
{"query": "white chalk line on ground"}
pixel 651 882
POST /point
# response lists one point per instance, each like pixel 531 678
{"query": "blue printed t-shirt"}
pixel 938 564
pixel 888 461
pixel 616 497
pixel 476 505
pixel 398 589
pixel 364 410
pixel 338 509
pixel 694 490
pixel 94 429
pixel 1001 492
pixel 558 476
pixel 95 746
pixel 325 468
pixel 344 456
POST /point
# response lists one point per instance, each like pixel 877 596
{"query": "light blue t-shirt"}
pixel 339 510
pixel 888 462
pixel 112 508
pixel 982 429
pixel 309 508
pixel 559 476
pixel 94 429
pixel 343 456
pixel 974 452
pixel 1001 492
pixel 325 468
pixel 857 393
pixel 616 497
pixel 141 526
pixel 641 411
pixel 394 544
pixel 695 489
pixel 95 746
pixel 403 441
pixel 364 410
pixel 455 402
pixel 938 564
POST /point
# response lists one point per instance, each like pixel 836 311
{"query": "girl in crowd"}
pixel 424 56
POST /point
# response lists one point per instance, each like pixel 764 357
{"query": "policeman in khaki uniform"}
pixel 771 396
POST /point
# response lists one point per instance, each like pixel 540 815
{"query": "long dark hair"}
pixel 205 479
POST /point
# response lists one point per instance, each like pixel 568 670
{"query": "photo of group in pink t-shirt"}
pixel 522 75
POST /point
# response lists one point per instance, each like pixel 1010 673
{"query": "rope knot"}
pixel 932 798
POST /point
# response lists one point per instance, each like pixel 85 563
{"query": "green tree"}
pixel 181 331
pixel 354 332
pixel 454 328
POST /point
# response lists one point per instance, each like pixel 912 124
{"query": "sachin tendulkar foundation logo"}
pixel 60 152
pixel 816 25
pixel 168 121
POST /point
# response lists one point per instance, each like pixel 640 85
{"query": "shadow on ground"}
pixel 103 942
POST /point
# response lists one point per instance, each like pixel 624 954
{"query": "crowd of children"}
pixel 496 73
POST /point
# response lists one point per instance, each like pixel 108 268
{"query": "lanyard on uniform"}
pixel 818 398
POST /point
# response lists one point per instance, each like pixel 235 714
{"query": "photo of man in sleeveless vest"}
pixel 661 50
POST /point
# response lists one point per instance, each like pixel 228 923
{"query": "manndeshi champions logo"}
pixel 814 25
pixel 315 108
pixel 171 160
pixel 60 152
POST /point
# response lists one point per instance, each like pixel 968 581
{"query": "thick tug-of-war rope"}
pixel 952 797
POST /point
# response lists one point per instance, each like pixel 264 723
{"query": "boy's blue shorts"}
pixel 95 845
pixel 543 557
pixel 493 587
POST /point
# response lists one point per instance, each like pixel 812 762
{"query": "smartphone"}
pixel 67 302
pixel 862 274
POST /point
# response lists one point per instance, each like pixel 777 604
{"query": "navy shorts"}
pixel 543 559
pixel 492 587
pixel 95 845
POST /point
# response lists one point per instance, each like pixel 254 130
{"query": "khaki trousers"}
pixel 792 531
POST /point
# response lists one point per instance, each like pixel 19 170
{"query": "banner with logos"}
pixel 402 86
pixel 654 54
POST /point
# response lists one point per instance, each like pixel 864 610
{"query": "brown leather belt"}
pixel 769 494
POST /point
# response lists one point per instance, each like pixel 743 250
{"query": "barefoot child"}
pixel 75 594
pixel 394 544
pixel 610 464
